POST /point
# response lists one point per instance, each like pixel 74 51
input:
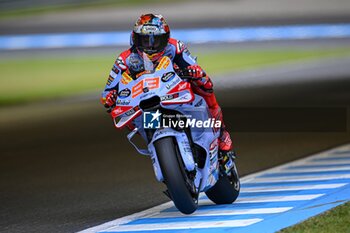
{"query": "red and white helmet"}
pixel 150 35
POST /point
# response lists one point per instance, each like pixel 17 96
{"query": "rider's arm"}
pixel 109 94
pixel 112 82
pixel 185 61
pixel 183 57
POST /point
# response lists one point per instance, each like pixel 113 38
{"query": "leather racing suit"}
pixel 131 61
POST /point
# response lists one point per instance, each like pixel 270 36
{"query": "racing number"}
pixel 151 83
pixel 137 89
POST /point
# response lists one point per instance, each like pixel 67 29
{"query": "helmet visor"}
pixel 151 43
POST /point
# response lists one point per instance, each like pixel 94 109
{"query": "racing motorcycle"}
pixel 186 159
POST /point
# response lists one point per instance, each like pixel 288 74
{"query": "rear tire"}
pixel 226 189
pixel 175 175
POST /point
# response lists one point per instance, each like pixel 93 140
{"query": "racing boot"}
pixel 227 155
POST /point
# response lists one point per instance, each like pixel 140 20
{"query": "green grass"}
pixel 228 61
pixel 26 80
pixel 336 220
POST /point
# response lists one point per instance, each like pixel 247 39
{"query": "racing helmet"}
pixel 151 35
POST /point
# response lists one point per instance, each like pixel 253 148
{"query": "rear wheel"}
pixel 180 185
pixel 226 189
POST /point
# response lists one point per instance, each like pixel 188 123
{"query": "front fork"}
pixel 228 167
pixel 227 161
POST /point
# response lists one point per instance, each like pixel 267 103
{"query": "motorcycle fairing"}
pixel 183 145
pixel 206 177
pixel 171 91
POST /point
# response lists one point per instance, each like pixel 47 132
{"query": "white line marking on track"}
pixel 292 188
pixel 287 179
pixel 117 225
pixel 278 198
pixel 333 163
pixel 269 199
pixel 126 219
pixel 336 153
pixel 202 213
pixel 328 169
pixel 184 225
pixel 341 154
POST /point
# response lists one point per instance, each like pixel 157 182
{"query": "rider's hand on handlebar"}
pixel 111 98
pixel 195 71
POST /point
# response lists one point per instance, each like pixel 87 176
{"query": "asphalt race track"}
pixel 65 168
pixel 269 201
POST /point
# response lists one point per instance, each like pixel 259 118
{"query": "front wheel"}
pixel 226 189
pixel 175 176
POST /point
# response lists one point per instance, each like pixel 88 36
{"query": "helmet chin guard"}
pixel 148 64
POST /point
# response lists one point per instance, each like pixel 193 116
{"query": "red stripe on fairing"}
pixel 181 86
pixel 178 89
pixel 119 110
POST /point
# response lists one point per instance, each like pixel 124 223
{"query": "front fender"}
pixel 183 145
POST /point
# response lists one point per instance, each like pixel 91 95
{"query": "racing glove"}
pixel 195 71
pixel 111 98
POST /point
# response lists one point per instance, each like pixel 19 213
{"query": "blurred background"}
pixel 281 71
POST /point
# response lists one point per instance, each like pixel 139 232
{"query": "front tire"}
pixel 175 175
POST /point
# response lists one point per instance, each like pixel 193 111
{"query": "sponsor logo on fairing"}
pixel 124 93
pixel 168 76
pixel 182 86
pixel 169 97
pixel 199 103
pixel 118 110
pixel 123 102
pixel 132 111
pixel 163 63
pixel 126 78
pixel 145 89
pixel 110 80
pixel 172 84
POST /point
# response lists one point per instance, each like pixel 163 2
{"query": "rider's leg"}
pixel 204 88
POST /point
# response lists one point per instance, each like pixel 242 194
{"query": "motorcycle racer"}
pixel 151 38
